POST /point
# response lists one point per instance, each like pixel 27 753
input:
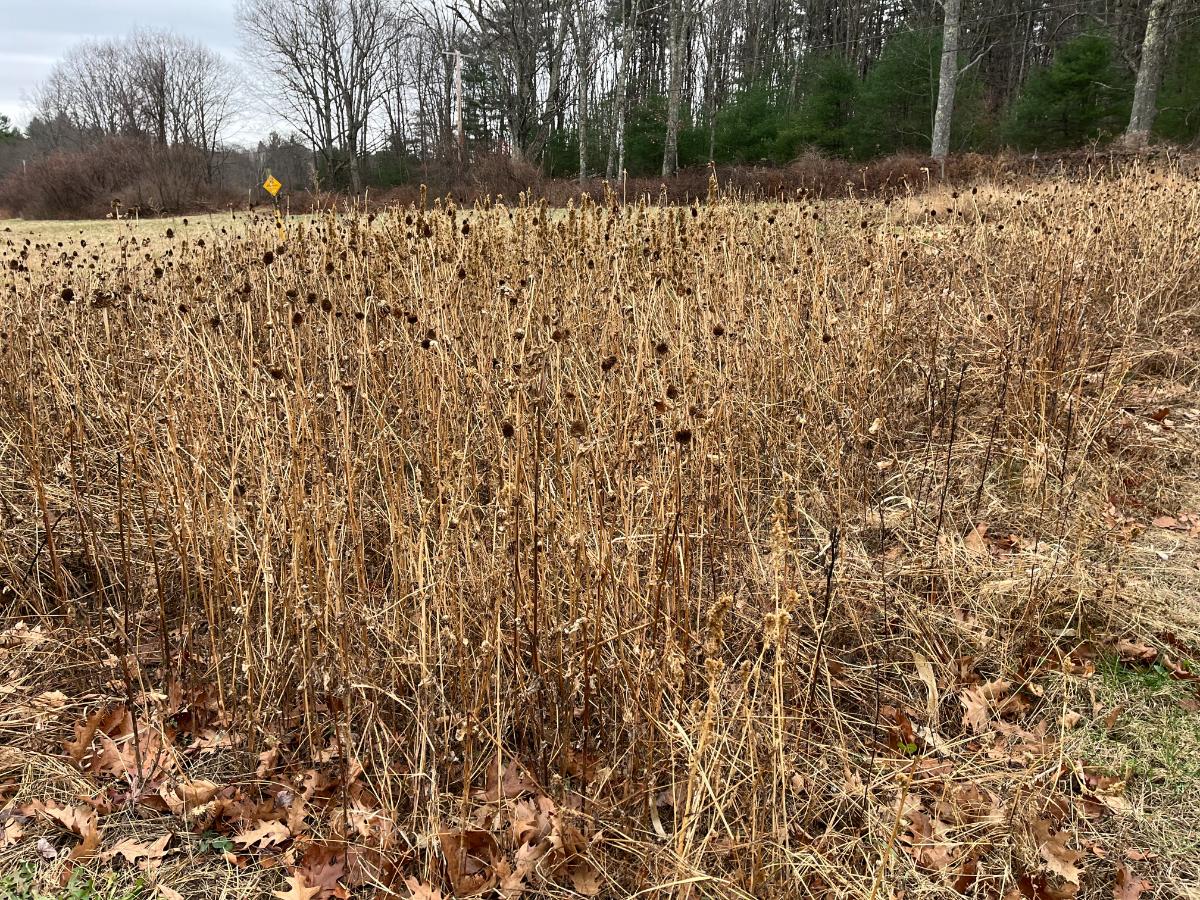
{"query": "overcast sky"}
pixel 35 33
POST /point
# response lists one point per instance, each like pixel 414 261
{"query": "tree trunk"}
pixel 355 170
pixel 1149 76
pixel 616 155
pixel 554 99
pixel 582 42
pixel 671 143
pixel 948 79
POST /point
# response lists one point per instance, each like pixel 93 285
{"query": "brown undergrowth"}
pixel 709 551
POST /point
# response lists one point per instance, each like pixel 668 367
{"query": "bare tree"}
pixel 153 85
pixel 519 43
pixel 583 27
pixel 327 58
pixel 674 90
pixel 616 153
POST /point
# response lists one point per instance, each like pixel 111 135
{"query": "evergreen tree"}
pixel 825 116
pixel 1082 96
pixel 645 130
pixel 896 104
pixel 8 132
pixel 748 128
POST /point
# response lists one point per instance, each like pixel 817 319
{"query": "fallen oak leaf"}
pixel 297 889
pixel 513 782
pixel 133 851
pixel 324 866
pixel 530 822
pixel 1052 847
pixel 471 857
pixel 977 712
pixel 86 849
pixel 1136 855
pixel 11 831
pixel 1136 651
pixel 976 539
pixel 1129 886
pixel 1039 887
pixel 585 879
pixel 79 819
pixel 84 732
pixel 1110 721
pixel 419 891
pixel 46 849
pixel 185 796
pixel 968 871
pixel 268 834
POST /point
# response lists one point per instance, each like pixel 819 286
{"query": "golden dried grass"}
pixel 751 532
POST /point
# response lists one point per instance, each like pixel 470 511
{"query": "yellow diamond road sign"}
pixel 272 185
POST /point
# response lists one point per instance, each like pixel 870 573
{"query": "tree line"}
pixel 379 92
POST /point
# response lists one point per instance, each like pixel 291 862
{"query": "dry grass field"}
pixel 844 549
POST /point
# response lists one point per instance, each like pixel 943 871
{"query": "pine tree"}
pixel 826 112
pixel 1082 96
pixel 896 105
pixel 8 132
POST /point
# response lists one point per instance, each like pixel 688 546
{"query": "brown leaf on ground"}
pixel 1135 651
pixel 267 834
pixel 515 781
pixel 84 732
pixel 1037 887
pixel 11 831
pixel 530 820
pixel 1129 886
pixel 134 851
pixel 968 872
pixel 297 889
pixel 925 844
pixel 299 805
pixel 79 819
pixel 585 879
pixel 267 760
pixel 324 866
pixel 967 803
pixel 977 712
pixel 512 880
pixel 86 849
pixel 976 539
pixel 1182 673
pixel 185 796
pixel 471 857
pixel 161 890
pixel 1052 846
pixel 421 891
